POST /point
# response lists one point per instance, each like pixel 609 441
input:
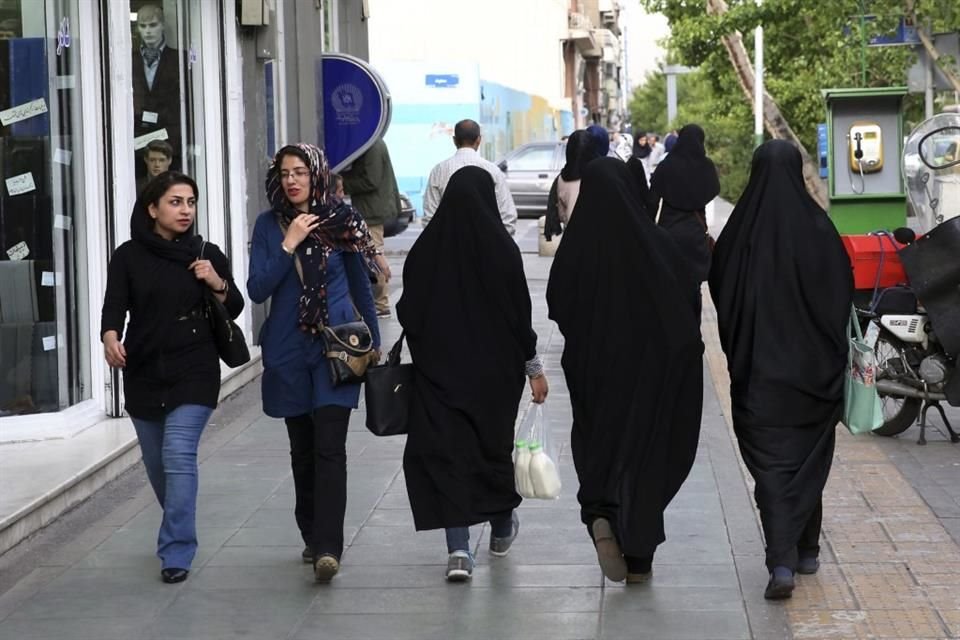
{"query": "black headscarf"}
pixel 782 286
pixel 183 249
pixel 687 179
pixel 581 149
pixel 642 150
pixel 341 228
pixel 466 313
pixel 634 435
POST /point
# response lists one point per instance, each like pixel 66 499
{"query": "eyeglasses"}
pixel 296 173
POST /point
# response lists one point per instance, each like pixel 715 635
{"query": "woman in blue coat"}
pixel 311 255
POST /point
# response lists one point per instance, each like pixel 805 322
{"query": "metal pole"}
pixel 928 86
pixel 671 98
pixel 758 85
pixel 863 45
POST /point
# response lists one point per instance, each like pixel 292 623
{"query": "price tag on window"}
pixel 151 117
pixel 22 183
pixel 62 156
pixel 141 141
pixel 18 251
pixel 24 111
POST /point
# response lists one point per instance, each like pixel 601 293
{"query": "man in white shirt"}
pixel 466 137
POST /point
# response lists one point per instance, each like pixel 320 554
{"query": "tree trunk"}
pixel 773 119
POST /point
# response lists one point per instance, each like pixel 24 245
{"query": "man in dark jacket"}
pixel 156 85
pixel 372 187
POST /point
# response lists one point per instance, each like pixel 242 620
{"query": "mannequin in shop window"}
pixel 157 157
pixel 156 84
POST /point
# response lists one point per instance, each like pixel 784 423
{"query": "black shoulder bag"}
pixel 230 341
pixel 387 394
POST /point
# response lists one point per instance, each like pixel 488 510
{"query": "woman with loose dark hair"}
pixel 171 370
pixel 312 257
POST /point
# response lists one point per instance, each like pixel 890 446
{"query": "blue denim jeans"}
pixel 169 450
pixel 458 538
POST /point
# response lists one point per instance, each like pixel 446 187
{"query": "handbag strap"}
pixel 854 324
pixel 393 356
pixel 299 267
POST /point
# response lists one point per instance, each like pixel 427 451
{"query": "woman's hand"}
pixel 540 388
pixel 299 229
pixel 205 272
pixel 113 350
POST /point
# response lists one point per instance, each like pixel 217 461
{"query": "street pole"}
pixel 863 45
pixel 758 85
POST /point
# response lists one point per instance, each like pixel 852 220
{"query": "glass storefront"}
pixel 44 327
pixel 168 92
pixel 77 144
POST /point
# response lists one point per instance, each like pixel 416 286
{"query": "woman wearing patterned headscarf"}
pixel 311 255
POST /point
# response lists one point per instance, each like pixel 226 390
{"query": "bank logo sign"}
pixel 356 107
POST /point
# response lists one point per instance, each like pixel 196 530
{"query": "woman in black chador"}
pixel 686 181
pixel 782 286
pixel 636 397
pixel 466 314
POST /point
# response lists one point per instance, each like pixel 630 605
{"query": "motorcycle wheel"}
pixel 898 412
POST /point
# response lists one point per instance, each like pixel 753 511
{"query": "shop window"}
pixel 168 91
pixel 44 335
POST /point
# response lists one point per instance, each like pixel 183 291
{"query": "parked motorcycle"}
pixel 915 329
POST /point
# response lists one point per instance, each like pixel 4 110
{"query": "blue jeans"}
pixel 458 538
pixel 169 449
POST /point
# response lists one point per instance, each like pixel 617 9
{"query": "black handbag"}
pixel 349 350
pixel 230 341
pixel 229 338
pixel 387 394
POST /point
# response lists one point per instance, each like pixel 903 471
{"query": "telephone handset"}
pixel 865 142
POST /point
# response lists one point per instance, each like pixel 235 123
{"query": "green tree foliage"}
pixel 729 129
pixel 809 45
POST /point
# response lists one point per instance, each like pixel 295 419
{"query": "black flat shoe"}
pixel 307 555
pixel 174 575
pixel 781 584
pixel 808 566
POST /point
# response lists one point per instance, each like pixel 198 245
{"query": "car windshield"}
pixel 535 159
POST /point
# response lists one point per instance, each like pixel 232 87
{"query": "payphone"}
pixel 865 134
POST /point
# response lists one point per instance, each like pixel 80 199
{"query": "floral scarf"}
pixel 341 228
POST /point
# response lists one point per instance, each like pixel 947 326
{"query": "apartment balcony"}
pixel 581 33
pixel 609 12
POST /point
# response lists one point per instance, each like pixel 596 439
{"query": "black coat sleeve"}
pixel 234 302
pixel 116 300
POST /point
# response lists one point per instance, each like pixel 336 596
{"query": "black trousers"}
pixel 318 457
pixel 808 546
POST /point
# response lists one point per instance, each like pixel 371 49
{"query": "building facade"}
pixel 85 86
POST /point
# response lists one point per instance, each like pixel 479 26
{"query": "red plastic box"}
pixel 870 254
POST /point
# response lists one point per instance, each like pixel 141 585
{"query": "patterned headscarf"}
pixel 341 228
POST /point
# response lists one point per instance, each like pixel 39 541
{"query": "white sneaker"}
pixel 459 566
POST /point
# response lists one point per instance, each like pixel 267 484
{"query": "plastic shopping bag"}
pixel 536 457
pixel 862 411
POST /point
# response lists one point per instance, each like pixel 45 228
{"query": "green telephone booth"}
pixel 864 147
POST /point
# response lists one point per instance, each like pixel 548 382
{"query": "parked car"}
pixel 530 170
pixel 399 224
